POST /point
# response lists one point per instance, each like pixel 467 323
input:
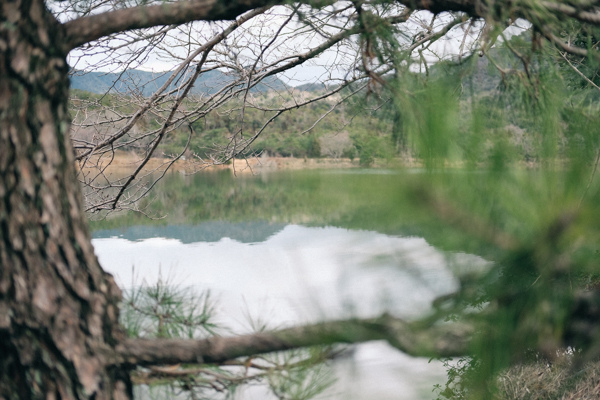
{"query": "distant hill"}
pixel 134 80
pixel 310 87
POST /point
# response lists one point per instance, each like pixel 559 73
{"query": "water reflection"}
pixel 212 231
pixel 290 274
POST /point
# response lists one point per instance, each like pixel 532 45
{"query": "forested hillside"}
pixel 360 122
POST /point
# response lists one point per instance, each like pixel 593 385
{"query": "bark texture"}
pixel 58 308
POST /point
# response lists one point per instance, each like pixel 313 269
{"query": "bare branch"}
pixel 588 80
pixel 90 28
pixel 175 74
pixel 570 11
pixel 569 49
pixel 446 340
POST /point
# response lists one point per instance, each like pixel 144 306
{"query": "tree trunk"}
pixel 58 308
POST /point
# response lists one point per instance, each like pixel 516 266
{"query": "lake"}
pixel 290 247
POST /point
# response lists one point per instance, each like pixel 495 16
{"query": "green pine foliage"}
pixel 510 148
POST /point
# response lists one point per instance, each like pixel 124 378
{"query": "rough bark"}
pixel 58 308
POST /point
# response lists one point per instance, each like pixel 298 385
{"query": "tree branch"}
pixel 564 46
pixel 176 73
pixel 474 8
pixel 87 29
pixel 93 27
pixel 569 11
pixel 445 340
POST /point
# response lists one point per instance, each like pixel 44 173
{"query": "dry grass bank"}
pixel 558 380
pixel 122 161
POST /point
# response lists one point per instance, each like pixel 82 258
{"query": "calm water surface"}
pixel 287 248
